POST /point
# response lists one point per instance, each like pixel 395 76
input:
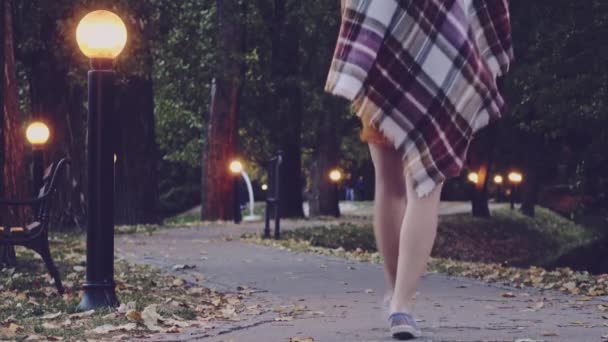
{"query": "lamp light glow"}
pixel 498 179
pixel 335 176
pixel 236 167
pixel 473 177
pixel 264 187
pixel 516 177
pixel 37 133
pixel 101 34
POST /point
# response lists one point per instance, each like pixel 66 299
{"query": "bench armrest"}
pixel 30 201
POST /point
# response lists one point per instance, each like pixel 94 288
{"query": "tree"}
pixel 56 93
pixel 14 179
pixel 137 161
pixel 220 145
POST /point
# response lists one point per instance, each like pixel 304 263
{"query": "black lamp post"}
pixel 236 167
pixel 499 181
pixel 101 36
pixel 37 135
pixel 515 178
pixel 336 176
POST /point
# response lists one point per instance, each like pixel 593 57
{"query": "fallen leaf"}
pixel 108 328
pixel 183 267
pixel 52 316
pixel 549 333
pixel 133 315
pixel 284 319
pixel 508 295
pixel 47 325
pixel 82 314
pixel 11 330
pixel 150 318
pixel 173 330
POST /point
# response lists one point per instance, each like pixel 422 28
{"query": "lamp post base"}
pixel 98 296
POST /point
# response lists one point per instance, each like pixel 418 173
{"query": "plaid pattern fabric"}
pixel 424 73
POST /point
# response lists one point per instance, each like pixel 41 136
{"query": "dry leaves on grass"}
pixel 153 302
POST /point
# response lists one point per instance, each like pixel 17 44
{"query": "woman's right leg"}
pixel 390 202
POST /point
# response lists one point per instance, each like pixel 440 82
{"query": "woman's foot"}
pixel 403 326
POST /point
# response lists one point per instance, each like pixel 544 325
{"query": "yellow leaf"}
pixel 133 315
pixel 284 319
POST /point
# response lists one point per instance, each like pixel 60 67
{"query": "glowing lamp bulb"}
pixel 473 177
pixel 37 133
pixel 101 35
pixel 264 187
pixel 335 175
pixel 498 179
pixel 516 177
pixel 236 167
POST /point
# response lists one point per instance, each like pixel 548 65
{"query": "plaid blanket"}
pixel 424 73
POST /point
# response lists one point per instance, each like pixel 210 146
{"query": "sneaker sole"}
pixel 404 333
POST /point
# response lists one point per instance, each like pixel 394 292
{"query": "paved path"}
pixel 343 298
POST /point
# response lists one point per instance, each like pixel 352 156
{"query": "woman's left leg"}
pixel 418 232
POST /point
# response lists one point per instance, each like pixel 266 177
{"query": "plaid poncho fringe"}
pixel 424 73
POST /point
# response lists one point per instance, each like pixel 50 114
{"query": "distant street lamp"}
pixel 515 178
pixel 101 35
pixel 499 181
pixel 37 135
pixel 336 176
pixel 236 167
pixel 264 187
pixel 473 177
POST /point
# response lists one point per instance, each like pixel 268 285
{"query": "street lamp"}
pixel 101 35
pixel 335 176
pixel 236 167
pixel 515 178
pixel 499 181
pixel 473 177
pixel 37 134
pixel 264 187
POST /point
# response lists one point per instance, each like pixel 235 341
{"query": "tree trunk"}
pixel 137 156
pixel 288 105
pixel 324 199
pixel 531 185
pixel 14 180
pixel 480 193
pixel 217 186
pixel 480 156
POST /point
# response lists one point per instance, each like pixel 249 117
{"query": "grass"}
pixel 508 237
pixel 28 296
pixel 191 218
pixel 483 249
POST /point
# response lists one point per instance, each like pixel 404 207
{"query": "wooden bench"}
pixel 35 233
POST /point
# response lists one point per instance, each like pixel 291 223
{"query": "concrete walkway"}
pixel 340 300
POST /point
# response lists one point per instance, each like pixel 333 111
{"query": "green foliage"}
pixel 558 90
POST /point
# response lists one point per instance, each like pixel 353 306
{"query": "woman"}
pixel 421 75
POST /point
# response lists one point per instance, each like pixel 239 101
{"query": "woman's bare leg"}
pixel 390 201
pixel 418 233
